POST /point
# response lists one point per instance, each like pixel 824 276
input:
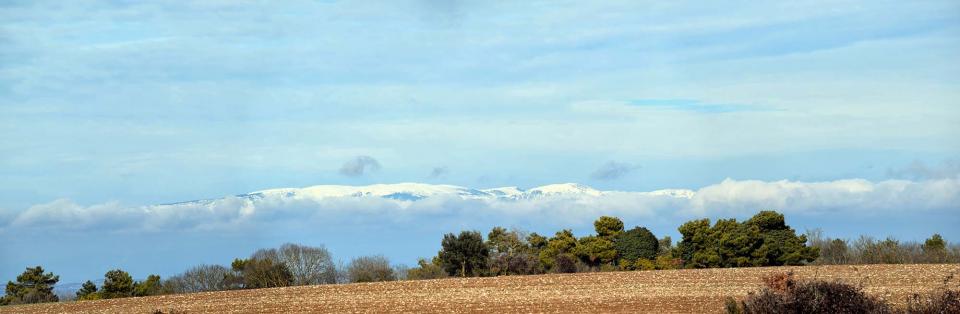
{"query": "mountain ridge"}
pixel 411 191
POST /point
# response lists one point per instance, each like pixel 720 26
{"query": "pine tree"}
pixel 88 291
pixel 32 286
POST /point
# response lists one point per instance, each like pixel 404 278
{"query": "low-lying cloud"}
pixel 729 197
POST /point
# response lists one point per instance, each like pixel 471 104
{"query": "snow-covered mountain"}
pixel 417 191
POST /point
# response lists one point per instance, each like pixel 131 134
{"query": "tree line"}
pixel 763 240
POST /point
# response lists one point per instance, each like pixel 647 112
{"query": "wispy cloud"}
pixel 612 170
pixel 359 166
pixel 692 105
pixel 438 172
pixel 918 170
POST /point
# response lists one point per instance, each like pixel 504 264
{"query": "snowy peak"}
pixel 678 193
pixel 564 189
pixel 398 191
pixel 409 192
pixel 507 191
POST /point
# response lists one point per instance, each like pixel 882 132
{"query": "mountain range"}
pixel 419 191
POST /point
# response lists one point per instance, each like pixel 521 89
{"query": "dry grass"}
pixel 685 291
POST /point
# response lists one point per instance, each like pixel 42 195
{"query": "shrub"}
pixel 943 301
pixel 784 294
pixel 426 270
pixel 565 263
pixel 644 264
pixel 667 262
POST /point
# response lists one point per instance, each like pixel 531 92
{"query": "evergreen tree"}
pixel 32 286
pixel 763 240
pixel 596 251
pixel 148 287
pixel 935 249
pixel 464 255
pixel 562 244
pixel 117 284
pixel 608 227
pixel 88 291
pixel 635 244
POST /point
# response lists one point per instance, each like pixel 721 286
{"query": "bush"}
pixel 943 301
pixel 667 262
pixel 784 294
pixel 565 263
pixel 644 264
pixel 426 270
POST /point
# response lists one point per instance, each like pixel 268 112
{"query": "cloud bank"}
pixel 729 197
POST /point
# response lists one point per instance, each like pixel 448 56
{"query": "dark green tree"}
pixel 608 227
pixel 32 286
pixel 636 243
pixel 595 251
pixel 151 286
pixel 781 244
pixel 464 255
pixel 696 248
pixel 563 243
pixel 117 284
pixel 537 242
pixel 87 291
pixel 763 240
pixel 935 249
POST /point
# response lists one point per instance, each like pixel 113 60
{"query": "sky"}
pixel 112 105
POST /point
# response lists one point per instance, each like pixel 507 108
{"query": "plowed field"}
pixel 669 291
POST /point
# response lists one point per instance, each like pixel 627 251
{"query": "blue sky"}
pixel 139 103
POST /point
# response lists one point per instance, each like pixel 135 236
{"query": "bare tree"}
pixel 308 265
pixel 371 269
pixel 198 279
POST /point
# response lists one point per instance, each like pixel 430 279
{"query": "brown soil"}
pixel 668 291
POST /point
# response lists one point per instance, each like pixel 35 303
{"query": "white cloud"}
pixel 730 197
